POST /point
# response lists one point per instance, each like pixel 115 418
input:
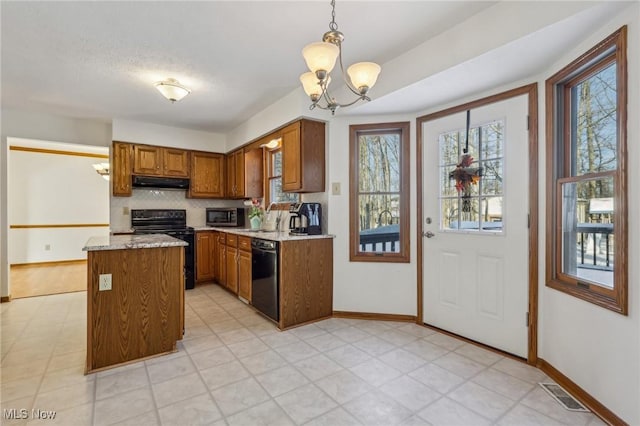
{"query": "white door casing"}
pixel 476 285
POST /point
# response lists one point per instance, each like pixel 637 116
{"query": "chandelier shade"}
pixel 172 89
pixel 321 58
pixel 363 74
pixel 311 85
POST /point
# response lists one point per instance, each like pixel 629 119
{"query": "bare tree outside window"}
pixel 484 206
pixel 379 208
pixel 586 173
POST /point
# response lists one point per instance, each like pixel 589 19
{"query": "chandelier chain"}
pixel 332 25
pixel 321 58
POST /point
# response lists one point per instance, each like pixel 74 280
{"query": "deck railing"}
pixel 595 233
pixel 380 239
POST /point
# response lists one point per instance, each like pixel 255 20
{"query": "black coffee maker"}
pixel 305 219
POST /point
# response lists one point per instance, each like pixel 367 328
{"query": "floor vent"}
pixel 563 397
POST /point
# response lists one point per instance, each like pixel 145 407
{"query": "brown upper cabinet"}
pixel 303 157
pixel 160 161
pixel 244 173
pixel 121 154
pixel 207 175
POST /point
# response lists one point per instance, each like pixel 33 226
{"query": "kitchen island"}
pixel 135 298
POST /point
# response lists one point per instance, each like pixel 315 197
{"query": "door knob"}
pixel 429 234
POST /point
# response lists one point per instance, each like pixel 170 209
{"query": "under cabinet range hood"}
pixel 160 182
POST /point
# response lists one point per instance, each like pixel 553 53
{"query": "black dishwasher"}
pixel 264 277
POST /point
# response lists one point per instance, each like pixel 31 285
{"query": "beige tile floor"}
pixel 235 368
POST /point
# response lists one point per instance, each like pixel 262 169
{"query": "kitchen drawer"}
pixel 222 238
pixel 244 243
pixel 232 240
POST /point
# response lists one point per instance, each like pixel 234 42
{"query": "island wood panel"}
pixel 142 315
pixel 306 281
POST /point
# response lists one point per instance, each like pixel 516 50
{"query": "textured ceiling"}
pixel 99 59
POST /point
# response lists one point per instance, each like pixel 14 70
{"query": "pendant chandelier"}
pixel 321 58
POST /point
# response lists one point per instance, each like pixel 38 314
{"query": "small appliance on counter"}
pixel 306 219
pixel 225 216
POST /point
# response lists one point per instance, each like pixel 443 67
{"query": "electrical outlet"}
pixel 104 282
pixel 47 247
pixel 125 211
pixel 335 188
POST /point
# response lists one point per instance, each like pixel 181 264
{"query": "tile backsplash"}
pixel 176 199
pixel 162 199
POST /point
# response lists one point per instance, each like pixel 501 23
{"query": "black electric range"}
pixel 170 222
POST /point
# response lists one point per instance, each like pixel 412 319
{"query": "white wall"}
pixel 388 288
pixel 154 134
pixel 598 349
pixel 44 127
pixel 54 189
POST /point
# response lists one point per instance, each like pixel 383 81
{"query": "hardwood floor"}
pixel 40 280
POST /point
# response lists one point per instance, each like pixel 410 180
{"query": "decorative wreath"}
pixel 465 175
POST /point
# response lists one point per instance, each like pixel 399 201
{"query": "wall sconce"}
pixel 102 169
pixel 272 144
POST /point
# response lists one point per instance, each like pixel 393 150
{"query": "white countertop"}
pixel 265 235
pixel 125 242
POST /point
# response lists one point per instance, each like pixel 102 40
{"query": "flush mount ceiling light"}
pixel 102 169
pixel 321 58
pixel 172 89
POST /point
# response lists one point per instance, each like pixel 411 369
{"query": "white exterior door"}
pixel 475 269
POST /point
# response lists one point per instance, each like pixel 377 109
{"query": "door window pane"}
pixel 492 177
pixel 467 207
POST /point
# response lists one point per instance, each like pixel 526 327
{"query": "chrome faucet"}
pixel 270 205
pixel 277 221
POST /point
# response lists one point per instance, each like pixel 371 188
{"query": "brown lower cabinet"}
pixel 306 281
pixel 244 268
pixel 232 263
pixel 205 255
pixel 221 264
pixel 306 273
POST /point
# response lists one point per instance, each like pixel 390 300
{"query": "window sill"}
pixel 609 302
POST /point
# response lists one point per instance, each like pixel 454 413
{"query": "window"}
pixel 479 210
pixel 274 181
pixel 586 176
pixel 379 192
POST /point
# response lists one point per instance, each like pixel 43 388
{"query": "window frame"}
pixel 355 255
pixel 559 171
pixel 268 167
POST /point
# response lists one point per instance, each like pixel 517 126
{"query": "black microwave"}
pixel 225 216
